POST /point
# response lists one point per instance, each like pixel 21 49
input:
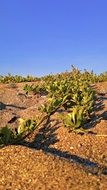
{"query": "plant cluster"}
pixel 70 92
pixel 91 77
pixel 35 89
pixel 9 136
pixel 75 95
pixel 17 79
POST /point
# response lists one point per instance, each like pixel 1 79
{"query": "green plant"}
pixel 8 136
pixel 26 125
pixel 70 91
pixel 17 79
pixel 28 88
pixel 51 106
pixel 35 89
pixel 75 119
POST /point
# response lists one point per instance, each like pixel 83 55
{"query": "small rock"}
pixel 71 147
pixel 79 145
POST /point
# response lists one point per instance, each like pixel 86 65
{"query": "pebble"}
pixel 71 147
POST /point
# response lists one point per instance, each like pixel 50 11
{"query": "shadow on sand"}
pixel 5 106
pixel 47 136
pixel 98 113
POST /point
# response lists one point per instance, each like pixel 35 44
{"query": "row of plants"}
pixel 17 79
pixel 76 96
pixel 68 95
pixel 91 77
pixel 35 89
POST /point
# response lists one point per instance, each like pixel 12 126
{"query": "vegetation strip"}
pixel 71 92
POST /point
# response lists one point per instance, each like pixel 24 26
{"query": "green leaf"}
pixel 6 135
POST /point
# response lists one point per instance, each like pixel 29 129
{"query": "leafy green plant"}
pixel 75 119
pixel 28 88
pixel 35 89
pixel 70 91
pixel 17 79
pixel 26 125
pixel 8 136
pixel 51 106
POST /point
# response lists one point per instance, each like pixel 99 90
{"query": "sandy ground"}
pixel 52 158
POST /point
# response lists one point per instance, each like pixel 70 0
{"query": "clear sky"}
pixel 39 37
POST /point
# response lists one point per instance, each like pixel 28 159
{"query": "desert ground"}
pixel 52 158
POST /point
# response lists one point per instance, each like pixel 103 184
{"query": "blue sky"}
pixel 39 37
